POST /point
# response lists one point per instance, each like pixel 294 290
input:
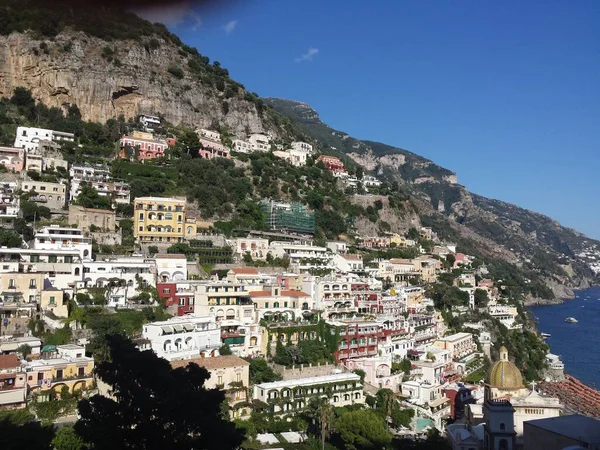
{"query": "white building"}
pixel 171 267
pixel 10 203
pixel 331 293
pixel 209 134
pixel 55 237
pixel 289 396
pixel 149 122
pixel 348 263
pixel 29 138
pixel 260 142
pixel 337 247
pixel 303 257
pixel 241 146
pixel 302 147
pixel 257 247
pixel 370 181
pixel 125 276
pixel 184 337
pixel 100 179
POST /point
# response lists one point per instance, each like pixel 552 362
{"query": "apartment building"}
pixel 13 386
pixel 302 147
pixel 257 247
pixel 12 158
pixel 275 303
pixel 177 296
pixel 9 200
pixel 142 146
pixel 332 163
pixel 229 373
pixel 260 142
pixel 171 267
pixel 67 367
pixel 184 337
pixel 50 195
pixel 292 396
pixel 229 303
pixel 358 338
pixel 303 257
pixel 241 146
pixel 100 178
pixel 29 138
pixel 158 219
pixel 55 237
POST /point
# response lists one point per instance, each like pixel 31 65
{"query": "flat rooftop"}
pixel 334 378
pixel 574 426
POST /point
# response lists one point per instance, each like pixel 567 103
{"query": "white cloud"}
pixel 230 26
pixel 308 56
pixel 181 14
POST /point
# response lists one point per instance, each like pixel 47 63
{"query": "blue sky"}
pixel 506 94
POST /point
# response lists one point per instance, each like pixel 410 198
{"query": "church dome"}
pixel 504 374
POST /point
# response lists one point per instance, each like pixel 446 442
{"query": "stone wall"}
pixel 307 370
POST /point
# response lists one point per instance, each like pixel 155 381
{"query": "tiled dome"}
pixel 504 374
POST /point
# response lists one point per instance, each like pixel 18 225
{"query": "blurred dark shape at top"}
pixel 105 19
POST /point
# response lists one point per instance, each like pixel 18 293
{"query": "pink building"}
pixel 144 144
pixel 211 149
pixel 12 158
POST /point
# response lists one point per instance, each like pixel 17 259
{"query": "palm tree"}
pixel 321 412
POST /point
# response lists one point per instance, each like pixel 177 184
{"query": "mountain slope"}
pixel 533 241
pixel 111 63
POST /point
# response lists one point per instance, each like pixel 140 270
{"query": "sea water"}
pixel 578 344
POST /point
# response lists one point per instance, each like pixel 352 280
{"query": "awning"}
pixel 178 328
pixel 167 329
pixel 188 326
pixel 438 402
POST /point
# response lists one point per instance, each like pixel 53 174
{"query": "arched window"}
pixel 502 427
pixel 86 253
pixel 76 270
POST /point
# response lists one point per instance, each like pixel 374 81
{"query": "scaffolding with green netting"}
pixel 292 217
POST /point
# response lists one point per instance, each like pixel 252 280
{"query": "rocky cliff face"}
pixel 71 69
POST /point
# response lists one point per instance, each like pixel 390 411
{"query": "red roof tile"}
pixel 245 271
pixel 9 362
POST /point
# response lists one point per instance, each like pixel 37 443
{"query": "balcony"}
pixel 70 378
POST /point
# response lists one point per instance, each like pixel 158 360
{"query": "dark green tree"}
pixel 89 198
pixel 154 407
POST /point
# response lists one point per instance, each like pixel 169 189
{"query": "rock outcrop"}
pixel 71 69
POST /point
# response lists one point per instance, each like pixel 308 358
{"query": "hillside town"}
pixel 348 321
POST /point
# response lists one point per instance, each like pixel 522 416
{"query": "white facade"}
pixel 302 147
pixel 241 146
pixel 184 337
pixel 260 142
pixel 132 273
pixel 9 201
pixel 348 263
pixel 54 237
pixel 257 247
pixel 370 181
pixel 294 395
pixel 29 138
pixel 209 134
pixel 171 267
pixel 303 257
pixel 149 122
pixel 100 179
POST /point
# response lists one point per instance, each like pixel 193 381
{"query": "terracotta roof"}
pixel 216 362
pixel 9 362
pixel 295 293
pixel 245 271
pixel 259 294
pixel 352 257
pixel 170 256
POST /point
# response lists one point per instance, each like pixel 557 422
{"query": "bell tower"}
pixel 499 428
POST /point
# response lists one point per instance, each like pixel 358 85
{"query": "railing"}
pixel 72 377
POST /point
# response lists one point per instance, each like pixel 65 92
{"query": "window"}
pixel 179 218
pixel 59 374
pixel 55 189
pixel 238 377
pixel 42 188
pixel 166 291
pixel 502 426
pixel 141 216
pixel 32 284
pixel 81 371
pixel 52 258
pixel 220 379
pixel 68 259
pixel 52 300
pixel 11 283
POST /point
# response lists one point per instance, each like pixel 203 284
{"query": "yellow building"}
pixel 158 219
pixel 67 366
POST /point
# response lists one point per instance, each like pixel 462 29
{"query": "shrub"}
pixel 176 71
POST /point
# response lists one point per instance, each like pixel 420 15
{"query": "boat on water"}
pixel 571 320
pixel 546 335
